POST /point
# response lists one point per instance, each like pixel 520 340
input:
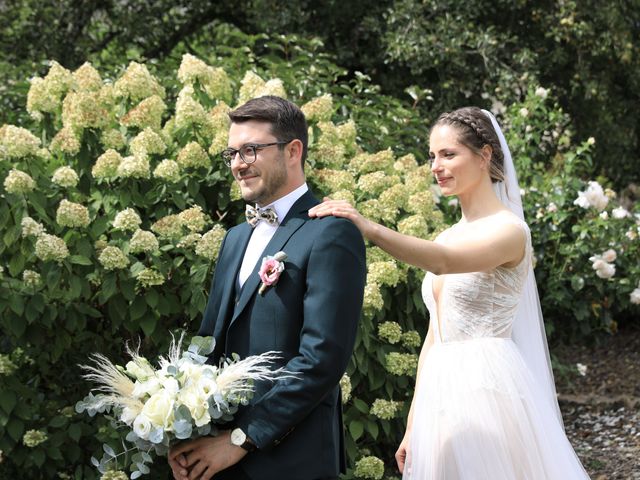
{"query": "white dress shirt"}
pixel 263 232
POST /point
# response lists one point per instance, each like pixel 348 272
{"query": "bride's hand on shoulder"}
pixel 341 208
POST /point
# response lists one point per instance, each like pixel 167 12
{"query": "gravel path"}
pixel 601 407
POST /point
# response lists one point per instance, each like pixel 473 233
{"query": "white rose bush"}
pixel 154 408
pixel 585 235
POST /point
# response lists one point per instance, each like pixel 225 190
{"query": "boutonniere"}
pixel 270 270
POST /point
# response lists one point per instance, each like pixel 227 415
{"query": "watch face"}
pixel 238 437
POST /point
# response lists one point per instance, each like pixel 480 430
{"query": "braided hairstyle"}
pixel 476 131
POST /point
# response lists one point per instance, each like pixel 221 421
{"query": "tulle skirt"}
pixel 477 415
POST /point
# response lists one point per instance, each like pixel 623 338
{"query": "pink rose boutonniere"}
pixel 270 270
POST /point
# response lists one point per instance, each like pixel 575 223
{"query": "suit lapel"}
pixel 296 217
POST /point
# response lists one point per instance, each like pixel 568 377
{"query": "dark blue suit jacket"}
pixel 311 317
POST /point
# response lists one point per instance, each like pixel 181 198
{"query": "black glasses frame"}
pixel 247 150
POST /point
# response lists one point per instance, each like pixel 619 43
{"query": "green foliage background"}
pixel 80 307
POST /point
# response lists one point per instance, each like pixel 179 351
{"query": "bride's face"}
pixel 455 166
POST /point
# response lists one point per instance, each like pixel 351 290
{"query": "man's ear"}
pixel 295 151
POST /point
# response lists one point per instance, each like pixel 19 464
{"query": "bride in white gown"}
pixel 484 405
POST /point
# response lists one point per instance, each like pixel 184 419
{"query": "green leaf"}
pixel 138 308
pixel 75 431
pixel 8 400
pixel 58 421
pixel 80 260
pixel 148 324
pixel 151 297
pixel 17 325
pixel 75 284
pixel 361 406
pixel 16 303
pixel 372 428
pixel 16 265
pixel 356 429
pixel 38 457
pixel 108 289
pixel 15 428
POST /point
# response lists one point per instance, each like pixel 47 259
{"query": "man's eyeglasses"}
pixel 248 152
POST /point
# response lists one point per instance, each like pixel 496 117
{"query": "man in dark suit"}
pixel 292 428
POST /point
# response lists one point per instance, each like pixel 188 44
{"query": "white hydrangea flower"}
pixel 147 114
pixel 209 244
pixel 31 228
pixel 18 182
pixel 143 241
pixel 65 141
pixel 65 177
pixel 112 258
pixel 70 214
pixel 147 142
pixel 17 142
pixel 385 409
pixel 167 170
pixel 49 247
pixel 319 109
pixel 134 167
pixel 31 278
pixel 137 83
pixel 107 164
pixel 127 220
pixel 149 277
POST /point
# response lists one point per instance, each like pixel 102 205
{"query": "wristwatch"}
pixel 240 439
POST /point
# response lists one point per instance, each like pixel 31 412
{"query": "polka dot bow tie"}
pixel 255 214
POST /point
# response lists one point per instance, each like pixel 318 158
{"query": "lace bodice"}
pixel 477 304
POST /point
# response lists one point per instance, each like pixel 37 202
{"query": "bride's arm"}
pixel 403 453
pixel 423 354
pixel 500 245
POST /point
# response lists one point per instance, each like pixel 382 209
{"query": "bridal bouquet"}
pixel 157 407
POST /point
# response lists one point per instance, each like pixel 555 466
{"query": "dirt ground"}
pixel 601 406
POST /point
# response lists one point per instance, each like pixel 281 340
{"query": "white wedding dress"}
pixel 478 413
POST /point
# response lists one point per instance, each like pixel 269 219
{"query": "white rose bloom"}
pixel 597 262
pixel 129 415
pixel 136 371
pixel 635 296
pixel 604 215
pixel 197 405
pixel 542 92
pixel 207 386
pixel 620 212
pixel 607 271
pixel 142 426
pixel 552 207
pixel 609 256
pixel 159 409
pixel 192 372
pixel 146 387
pixel 170 385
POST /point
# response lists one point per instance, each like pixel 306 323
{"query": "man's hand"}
pixel 202 458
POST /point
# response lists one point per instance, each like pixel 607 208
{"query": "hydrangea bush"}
pixel 115 205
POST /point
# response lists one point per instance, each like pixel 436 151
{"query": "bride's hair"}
pixel 476 131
